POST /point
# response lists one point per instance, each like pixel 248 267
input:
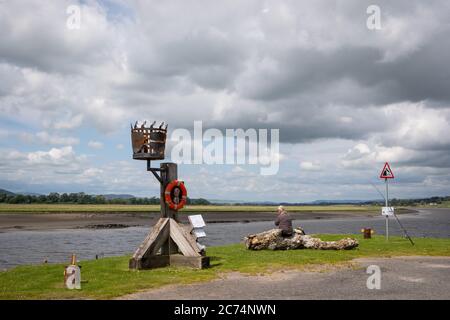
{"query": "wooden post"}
pixel 169 172
pixel 176 246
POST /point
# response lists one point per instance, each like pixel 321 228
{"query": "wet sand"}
pixel 44 221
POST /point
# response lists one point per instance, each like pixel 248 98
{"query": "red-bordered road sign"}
pixel 386 173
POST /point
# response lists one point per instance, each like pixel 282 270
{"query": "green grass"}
pixel 117 208
pixel 109 277
pixel 443 204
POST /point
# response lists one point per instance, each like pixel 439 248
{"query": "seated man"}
pixel 284 222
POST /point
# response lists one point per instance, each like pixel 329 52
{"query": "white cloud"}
pixel 11 155
pixel 70 123
pixel 90 176
pixel 309 166
pixel 95 144
pixel 421 128
pixel 47 138
pixel 55 156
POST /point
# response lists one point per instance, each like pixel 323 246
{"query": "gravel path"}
pixel 401 278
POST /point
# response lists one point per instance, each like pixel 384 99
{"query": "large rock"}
pixel 273 240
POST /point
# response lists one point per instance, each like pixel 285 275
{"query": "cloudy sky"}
pixel 345 98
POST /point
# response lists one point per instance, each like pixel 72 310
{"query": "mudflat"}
pixel 48 221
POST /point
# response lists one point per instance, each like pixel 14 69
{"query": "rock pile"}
pixel 273 240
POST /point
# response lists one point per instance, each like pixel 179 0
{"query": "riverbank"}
pixel 124 208
pixel 110 278
pixel 52 221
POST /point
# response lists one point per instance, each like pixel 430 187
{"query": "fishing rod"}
pixel 396 218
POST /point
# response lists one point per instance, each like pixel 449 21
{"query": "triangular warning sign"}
pixel 386 173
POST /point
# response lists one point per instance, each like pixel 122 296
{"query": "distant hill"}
pixel 29 193
pixel 263 203
pixel 229 202
pixel 337 201
pixel 273 203
pixel 9 193
pixel 118 196
pixel 3 191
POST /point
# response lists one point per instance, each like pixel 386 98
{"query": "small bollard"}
pixel 72 275
pixel 367 233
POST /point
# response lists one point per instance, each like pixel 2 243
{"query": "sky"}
pixel 345 98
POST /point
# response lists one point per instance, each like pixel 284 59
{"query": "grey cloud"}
pixel 35 35
pixel 311 88
pixel 255 57
pixel 310 69
pixel 435 159
pixel 422 75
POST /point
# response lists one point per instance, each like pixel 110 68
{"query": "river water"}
pixel 33 247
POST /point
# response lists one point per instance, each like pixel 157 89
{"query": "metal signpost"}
pixel 387 211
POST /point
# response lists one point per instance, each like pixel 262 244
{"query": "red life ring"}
pixel 169 194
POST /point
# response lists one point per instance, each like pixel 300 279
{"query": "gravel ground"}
pixel 401 278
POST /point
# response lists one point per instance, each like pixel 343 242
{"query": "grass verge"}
pixel 109 277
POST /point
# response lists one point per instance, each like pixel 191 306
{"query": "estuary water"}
pixel 33 247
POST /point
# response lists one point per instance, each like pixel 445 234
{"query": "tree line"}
pixel 83 198
pixel 412 202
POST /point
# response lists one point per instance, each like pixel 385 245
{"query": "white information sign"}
pixel 201 246
pixel 198 224
pixel 199 232
pixel 387 211
pixel 197 221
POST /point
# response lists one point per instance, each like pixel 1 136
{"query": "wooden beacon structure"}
pixel 169 242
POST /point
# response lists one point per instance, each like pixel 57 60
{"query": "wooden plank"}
pixel 150 262
pixel 159 261
pixel 169 247
pixel 160 240
pixel 194 262
pixel 151 237
pixel 190 237
pixel 179 237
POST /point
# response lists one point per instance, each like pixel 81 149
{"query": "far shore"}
pixel 138 208
pixel 105 220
